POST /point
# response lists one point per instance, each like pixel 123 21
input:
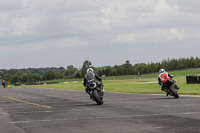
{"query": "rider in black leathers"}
pixel 163 77
pixel 90 75
pixel 4 83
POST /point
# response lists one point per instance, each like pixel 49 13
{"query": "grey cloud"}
pixel 10 5
pixel 112 29
pixel 186 6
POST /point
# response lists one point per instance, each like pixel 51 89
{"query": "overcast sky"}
pixel 58 33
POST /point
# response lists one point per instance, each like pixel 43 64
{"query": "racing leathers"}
pixel 162 78
pixel 91 76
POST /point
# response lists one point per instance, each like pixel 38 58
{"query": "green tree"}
pixel 192 62
pixel 49 75
pixel 30 78
pixel 7 77
pixel 1 74
pixel 127 68
pixel 15 79
pixel 119 69
pixel 60 75
pixel 77 74
pixel 140 68
pixel 12 71
pixel 24 78
pixel 197 62
pixel 37 77
pixel 70 70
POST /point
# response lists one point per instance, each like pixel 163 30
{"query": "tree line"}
pixel 33 75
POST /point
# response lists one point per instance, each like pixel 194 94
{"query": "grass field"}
pixel 136 84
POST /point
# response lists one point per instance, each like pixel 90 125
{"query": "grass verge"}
pixel 139 85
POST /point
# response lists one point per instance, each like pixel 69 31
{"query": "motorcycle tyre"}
pixel 174 93
pixel 96 97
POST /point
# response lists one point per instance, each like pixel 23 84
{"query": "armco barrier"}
pixel 193 79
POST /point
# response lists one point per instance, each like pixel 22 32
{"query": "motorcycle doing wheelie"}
pixel 95 91
pixel 171 88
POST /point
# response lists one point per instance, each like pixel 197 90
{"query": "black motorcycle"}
pixel 171 88
pixel 96 92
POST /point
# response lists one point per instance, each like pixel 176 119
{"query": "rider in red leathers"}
pixel 163 77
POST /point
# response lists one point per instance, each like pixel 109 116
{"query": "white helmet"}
pixel 162 70
pixel 90 70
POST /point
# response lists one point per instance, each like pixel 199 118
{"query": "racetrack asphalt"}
pixel 46 110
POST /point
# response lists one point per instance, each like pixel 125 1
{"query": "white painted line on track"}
pixel 153 94
pixel 45 120
pixel 190 95
pixel 107 117
pixel 108 108
pixel 54 89
pixel 3 113
pixel 31 112
pixel 4 102
pixel 179 95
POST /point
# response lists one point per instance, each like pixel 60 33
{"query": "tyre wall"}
pixel 193 79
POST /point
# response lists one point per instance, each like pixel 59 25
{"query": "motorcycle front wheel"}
pixel 174 93
pixel 96 97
